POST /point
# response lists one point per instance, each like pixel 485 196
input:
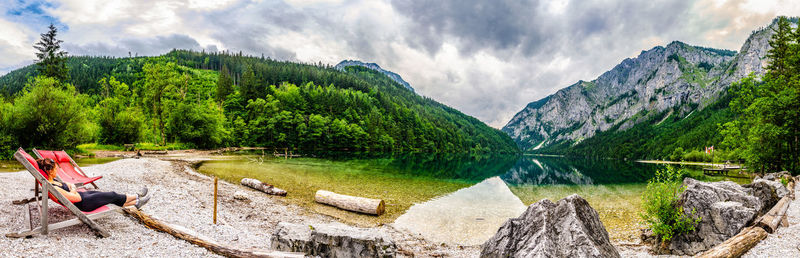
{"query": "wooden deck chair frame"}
pixel 74 164
pixel 45 227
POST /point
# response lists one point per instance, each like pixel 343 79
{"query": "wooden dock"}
pixel 722 171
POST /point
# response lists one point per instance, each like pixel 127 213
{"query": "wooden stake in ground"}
pixel 206 243
pixel 264 187
pixel 351 203
pixel 215 200
pixel 737 245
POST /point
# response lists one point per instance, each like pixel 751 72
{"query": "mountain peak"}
pixel 396 77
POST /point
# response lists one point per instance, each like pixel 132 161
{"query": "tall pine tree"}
pixel 249 85
pixel 52 60
pixel 224 84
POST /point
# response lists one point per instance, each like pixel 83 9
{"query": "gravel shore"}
pixel 180 197
pixel 785 242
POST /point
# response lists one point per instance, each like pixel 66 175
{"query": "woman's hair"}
pixel 46 164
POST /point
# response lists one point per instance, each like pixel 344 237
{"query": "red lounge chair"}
pixel 82 217
pixel 70 172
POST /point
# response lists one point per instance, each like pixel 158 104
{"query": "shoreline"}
pixel 183 197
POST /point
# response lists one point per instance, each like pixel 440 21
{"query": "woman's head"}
pixel 47 165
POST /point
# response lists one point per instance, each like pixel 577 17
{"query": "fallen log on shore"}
pixel 209 244
pixel 737 245
pixel 350 203
pixel 264 187
pixel 771 221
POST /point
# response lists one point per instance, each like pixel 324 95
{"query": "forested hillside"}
pixel 209 100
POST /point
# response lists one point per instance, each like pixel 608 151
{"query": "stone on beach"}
pixel 568 228
pixel 332 240
pixel 768 191
pixel 724 208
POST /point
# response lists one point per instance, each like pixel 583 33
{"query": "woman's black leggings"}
pixel 91 200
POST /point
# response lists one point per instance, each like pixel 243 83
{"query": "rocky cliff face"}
pixel 376 67
pixel 663 81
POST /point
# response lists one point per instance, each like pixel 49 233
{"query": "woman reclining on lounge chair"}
pixel 90 200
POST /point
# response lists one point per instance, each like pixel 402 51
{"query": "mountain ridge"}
pixel 675 79
pixel 394 76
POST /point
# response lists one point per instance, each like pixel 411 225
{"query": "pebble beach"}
pixel 181 197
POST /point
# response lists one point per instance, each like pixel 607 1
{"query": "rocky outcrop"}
pixel 395 77
pixel 672 80
pixel 568 228
pixel 768 192
pixel 724 208
pixel 774 176
pixel 332 240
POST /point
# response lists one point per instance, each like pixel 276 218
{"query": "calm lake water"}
pixel 449 198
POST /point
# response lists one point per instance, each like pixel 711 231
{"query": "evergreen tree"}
pixel 779 47
pixel 224 84
pixel 52 60
pixel 249 85
pixel 767 129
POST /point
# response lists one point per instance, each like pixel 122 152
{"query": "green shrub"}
pixel 49 115
pixel 661 212
pixel 201 125
pixel 784 181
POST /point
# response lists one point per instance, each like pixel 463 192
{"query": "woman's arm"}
pixel 72 195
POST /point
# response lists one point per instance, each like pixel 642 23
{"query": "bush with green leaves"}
pixel 199 124
pixel 661 211
pixel 49 115
pixel 8 143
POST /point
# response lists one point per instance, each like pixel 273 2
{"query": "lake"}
pixel 454 199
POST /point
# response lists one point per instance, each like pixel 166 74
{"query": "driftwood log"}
pixel 264 187
pixel 737 245
pixel 350 203
pixel 209 244
pixel 772 219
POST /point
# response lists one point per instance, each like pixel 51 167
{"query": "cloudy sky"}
pixel 485 58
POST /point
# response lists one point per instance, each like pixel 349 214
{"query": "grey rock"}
pixel 768 192
pixel 568 228
pixel 241 195
pixel 724 208
pixel 774 176
pixel 332 240
pixel 676 79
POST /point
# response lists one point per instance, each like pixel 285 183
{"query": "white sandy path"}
pixel 785 242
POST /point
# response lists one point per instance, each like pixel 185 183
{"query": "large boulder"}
pixel 568 228
pixel 724 208
pixel 332 240
pixel 769 192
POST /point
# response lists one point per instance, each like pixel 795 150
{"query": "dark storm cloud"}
pixel 136 46
pixel 529 26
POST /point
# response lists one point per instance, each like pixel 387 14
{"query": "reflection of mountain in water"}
pixel 550 171
pixel 468 216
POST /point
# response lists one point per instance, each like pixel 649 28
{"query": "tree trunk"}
pixel 351 203
pixel 264 187
pixel 737 245
pixel 209 244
